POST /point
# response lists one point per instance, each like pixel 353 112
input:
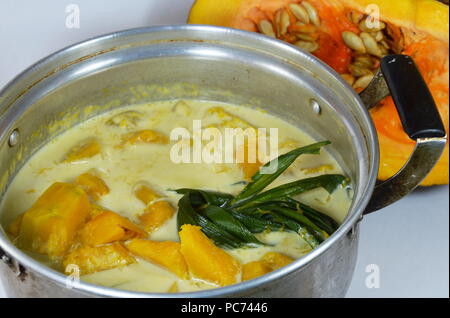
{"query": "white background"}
pixel 409 240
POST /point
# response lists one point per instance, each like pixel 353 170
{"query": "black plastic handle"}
pixel 415 105
pixel 420 119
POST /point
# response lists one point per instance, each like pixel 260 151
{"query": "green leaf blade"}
pixel 270 212
pixel 261 181
pixel 227 222
pixel 209 197
pixel 255 224
pixel 328 181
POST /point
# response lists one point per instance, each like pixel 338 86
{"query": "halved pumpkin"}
pixel 336 31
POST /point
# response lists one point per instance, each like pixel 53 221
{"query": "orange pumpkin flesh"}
pixel 418 28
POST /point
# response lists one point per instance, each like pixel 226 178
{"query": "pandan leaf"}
pixel 261 181
pixel 200 197
pixel 322 220
pixel 329 182
pixel 290 219
pixel 225 220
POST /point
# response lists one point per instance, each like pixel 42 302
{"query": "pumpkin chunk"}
pixel 276 260
pixel 49 226
pixel 146 194
pixel 147 136
pixel 224 119
pixel 155 215
pixel 14 227
pixel 108 227
pixel 83 151
pixel 250 164
pixel 205 260
pixel 96 210
pixel 254 269
pixel 166 254
pixel 93 185
pixel 249 169
pixel 269 262
pixel 94 259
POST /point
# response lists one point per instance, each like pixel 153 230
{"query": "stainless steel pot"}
pixel 224 65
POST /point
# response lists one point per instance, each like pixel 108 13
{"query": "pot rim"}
pixel 355 213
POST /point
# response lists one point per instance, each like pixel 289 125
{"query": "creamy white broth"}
pixel 123 168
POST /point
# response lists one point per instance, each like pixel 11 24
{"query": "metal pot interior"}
pixel 187 62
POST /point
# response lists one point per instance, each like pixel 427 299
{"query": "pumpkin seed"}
pixel 364 60
pixel 266 28
pixel 358 54
pixel 381 26
pixel 353 41
pixel 356 17
pixel 348 78
pixel 384 51
pixel 383 43
pixel 299 12
pixel 306 37
pixel 306 28
pixel 372 27
pixel 307 46
pixel 378 36
pixel 397 45
pixel 370 44
pixel 277 22
pixel 284 21
pixel 363 81
pixel 363 65
pixel 312 12
pixel 358 70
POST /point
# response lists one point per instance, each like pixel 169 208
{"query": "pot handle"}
pixel 399 77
